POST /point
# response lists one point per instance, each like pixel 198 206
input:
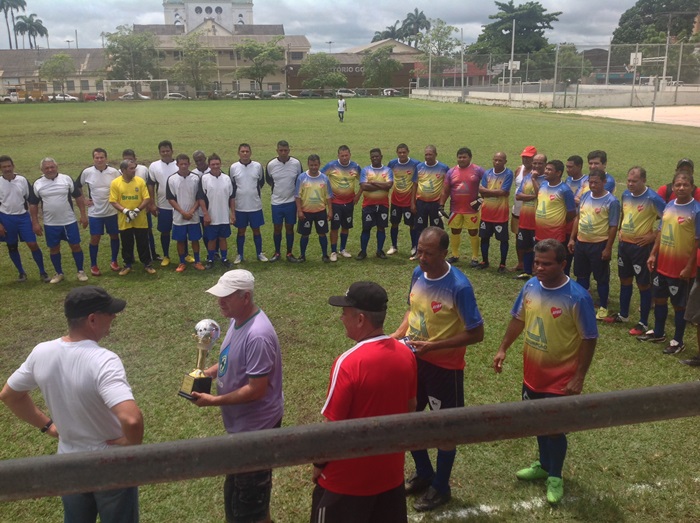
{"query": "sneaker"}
pixel 95 271
pixel 189 258
pixel 414 250
pixel 381 255
pixel 674 347
pixel 482 266
pixel 345 254
pixel 692 362
pixel 431 500
pixel 126 270
pixel 157 257
pixel 650 336
pixel 392 250
pixel 360 256
pixel 199 266
pixel 114 266
pixel 453 259
pixel 21 278
pixel 301 259
pixel 334 257
pixel 501 269
pixel 58 278
pixel 209 265
pixel 149 269
pixel 523 276
pixel 325 259
pixel 555 490
pixel 226 263
pixel 414 257
pixel 532 473
pixel 292 259
pixel 601 314
pixel 181 267
pixel 262 258
pixel 616 318
pixel 474 263
pixel 165 262
pixel 275 257
pixel 82 276
pixel 44 277
pixel 217 256
pixel 417 484
pixel 238 259
pixel 638 329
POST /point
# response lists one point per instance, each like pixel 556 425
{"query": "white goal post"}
pixel 158 87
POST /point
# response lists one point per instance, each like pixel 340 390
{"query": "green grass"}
pixel 638 473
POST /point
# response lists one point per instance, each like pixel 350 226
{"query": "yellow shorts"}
pixel 465 221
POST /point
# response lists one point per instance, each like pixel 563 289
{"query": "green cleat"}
pixel 532 473
pixel 555 490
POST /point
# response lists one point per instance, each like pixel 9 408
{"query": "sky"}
pixel 345 23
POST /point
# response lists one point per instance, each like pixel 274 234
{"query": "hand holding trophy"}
pixel 206 333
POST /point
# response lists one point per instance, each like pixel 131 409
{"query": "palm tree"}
pixel 32 26
pixel 413 24
pixel 9 7
pixel 21 4
pixel 391 31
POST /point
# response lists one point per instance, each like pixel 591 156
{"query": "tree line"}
pixel 25 25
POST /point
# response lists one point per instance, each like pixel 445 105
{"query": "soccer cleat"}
pixel 501 269
pixel 345 254
pixel 482 266
pixel 361 255
pixel 326 259
pixel 692 362
pixel 555 490
pixel 209 265
pixel 165 262
pixel 82 276
pixel 238 259
pixel 157 257
pixel 149 269
pixel 414 250
pixel 674 347
pixel 616 318
pixel 199 266
pixel 413 258
pixel 453 259
pixel 532 473
pixel 291 258
pixel 417 484
pixel 275 257
pixel 115 266
pixel 474 263
pixel 21 278
pixel 601 314
pixel 638 329
pixel 262 258
pixel 44 277
pixel 431 500
pixel 95 271
pixel 189 258
pixel 58 278
pixel 181 267
pixel 334 257
pixel 392 250
pixel 381 255
pixel 301 259
pixel 523 276
pixel 126 270
pixel 650 336
pixel 226 263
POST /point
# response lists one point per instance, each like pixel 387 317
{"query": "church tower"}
pixel 192 13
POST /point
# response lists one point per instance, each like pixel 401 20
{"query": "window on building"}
pixel 296 55
pixel 177 55
pixel 99 85
pixel 253 85
pixel 84 85
pixel 208 10
pixel 70 85
pixel 198 10
pixel 219 10
pixel 274 87
pixel 56 87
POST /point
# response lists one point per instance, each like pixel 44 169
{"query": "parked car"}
pixel 134 96
pixel 246 96
pixel 98 97
pixel 309 94
pixel 391 92
pixel 175 96
pixel 282 94
pixel 346 93
pixel 61 97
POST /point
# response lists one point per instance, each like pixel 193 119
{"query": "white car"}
pixel 132 96
pixel 346 93
pixel 175 96
pixel 391 92
pixel 282 94
pixel 60 97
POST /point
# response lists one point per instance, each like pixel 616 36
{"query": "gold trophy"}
pixel 206 333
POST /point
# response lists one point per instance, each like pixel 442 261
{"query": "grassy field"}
pixel 640 473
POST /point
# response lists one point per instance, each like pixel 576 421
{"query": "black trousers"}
pixel 140 236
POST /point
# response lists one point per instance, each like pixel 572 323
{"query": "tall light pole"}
pixel 68 41
pixel 330 47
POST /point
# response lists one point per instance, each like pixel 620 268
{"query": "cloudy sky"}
pixel 346 23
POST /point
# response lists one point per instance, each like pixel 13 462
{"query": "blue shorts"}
pixel 98 226
pixel 165 220
pixel 55 233
pixel 375 215
pixel 632 262
pixel 212 232
pixel 252 219
pixel 401 213
pixel 587 261
pixel 342 215
pixel 320 219
pixel 191 231
pixel 18 227
pixel 444 386
pixel 284 213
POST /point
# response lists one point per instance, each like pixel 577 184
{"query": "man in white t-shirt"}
pixel 281 174
pixel 248 178
pixel 158 174
pixel 218 207
pixel 86 392
pixel 342 107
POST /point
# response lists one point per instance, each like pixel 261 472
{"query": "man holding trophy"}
pixel 249 386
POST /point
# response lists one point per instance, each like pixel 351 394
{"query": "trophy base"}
pixel 191 384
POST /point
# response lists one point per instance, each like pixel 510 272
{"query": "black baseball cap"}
pixel 363 295
pixel 685 161
pixel 83 301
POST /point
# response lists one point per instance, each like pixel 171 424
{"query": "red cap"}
pixel 529 151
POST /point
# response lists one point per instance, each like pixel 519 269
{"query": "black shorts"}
pixel 387 507
pixel 525 240
pixel 439 388
pixel 427 215
pixel 587 261
pixel 399 213
pixel 692 309
pixel 375 215
pixel 632 262
pixel 342 215
pixel 500 230
pixel 664 287
pixel 320 219
pixel 529 394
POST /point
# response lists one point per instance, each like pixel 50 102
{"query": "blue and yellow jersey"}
pixel 376 175
pixel 639 214
pixel 430 179
pixel 528 209
pixel 344 180
pixel 553 203
pixel 404 181
pixel 679 228
pixel 596 216
pixel 313 191
pixel 496 209
pixel 556 320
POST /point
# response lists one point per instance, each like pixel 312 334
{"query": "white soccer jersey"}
pixel 217 191
pixel 55 198
pixel 282 176
pixel 247 182
pixel 199 173
pixel 14 195
pixel 142 172
pixel 98 184
pixel 158 174
pixel 185 191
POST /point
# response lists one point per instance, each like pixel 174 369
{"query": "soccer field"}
pixel 637 473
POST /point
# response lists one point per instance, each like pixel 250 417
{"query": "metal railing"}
pixel 181 460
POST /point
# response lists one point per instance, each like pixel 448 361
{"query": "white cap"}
pixel 232 281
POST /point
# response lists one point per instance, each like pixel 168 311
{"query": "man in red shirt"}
pixel 377 377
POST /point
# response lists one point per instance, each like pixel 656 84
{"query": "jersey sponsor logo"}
pixel 637 269
pixel 474 219
pixel 681 219
pixel 640 208
pixel 556 312
pixel 436 306
pixel 552 197
pixel 597 210
pixel 435 403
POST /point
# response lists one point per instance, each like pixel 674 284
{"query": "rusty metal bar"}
pixel 181 460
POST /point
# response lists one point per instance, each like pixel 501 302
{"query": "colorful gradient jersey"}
pixel 464 187
pixel 596 216
pixel 405 177
pixel 440 309
pixel 556 320
pixel 528 209
pixel 313 191
pixel 495 208
pixel 610 186
pixel 639 214
pixel 679 228
pixel 430 179
pixel 376 175
pixel 553 202
pixel 344 180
